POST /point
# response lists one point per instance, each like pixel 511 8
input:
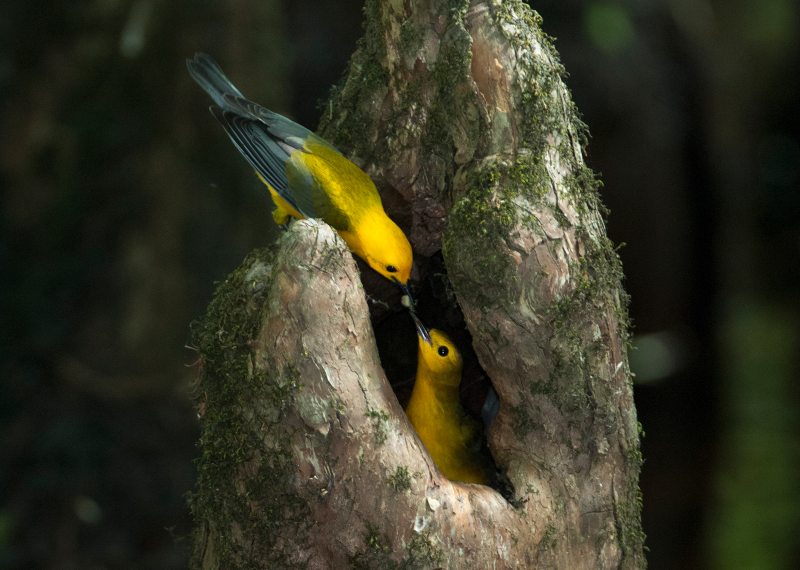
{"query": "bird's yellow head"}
pixel 438 354
pixel 384 246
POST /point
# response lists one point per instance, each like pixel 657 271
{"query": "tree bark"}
pixel 459 113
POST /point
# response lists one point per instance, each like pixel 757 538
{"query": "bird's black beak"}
pixel 421 330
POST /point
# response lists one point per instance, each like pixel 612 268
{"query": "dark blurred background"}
pixel 123 203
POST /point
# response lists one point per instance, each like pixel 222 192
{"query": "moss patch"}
pixel 629 524
pixel 349 118
pixel 380 424
pixel 549 537
pixel 420 553
pixel 523 419
pixel 434 104
pixel 473 247
pixel 244 479
pixel 597 286
pixel 578 344
pixel 400 480
pixel 450 124
pixel 548 115
pixel 478 259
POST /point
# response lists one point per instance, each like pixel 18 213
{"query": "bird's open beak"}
pixel 421 330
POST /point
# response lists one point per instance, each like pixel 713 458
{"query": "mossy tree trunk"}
pixel 460 114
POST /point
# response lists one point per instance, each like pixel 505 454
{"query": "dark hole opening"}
pixel 396 338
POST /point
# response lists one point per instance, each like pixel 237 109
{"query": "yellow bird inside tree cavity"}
pixel 306 176
pixel 453 438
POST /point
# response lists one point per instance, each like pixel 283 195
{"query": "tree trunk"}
pixel 459 113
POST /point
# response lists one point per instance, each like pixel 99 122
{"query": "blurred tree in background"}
pixel 117 220
pixel 123 202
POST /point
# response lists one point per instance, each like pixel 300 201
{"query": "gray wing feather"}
pixel 266 139
pixel 263 153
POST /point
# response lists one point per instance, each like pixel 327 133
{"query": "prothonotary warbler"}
pixel 306 176
pixel 452 438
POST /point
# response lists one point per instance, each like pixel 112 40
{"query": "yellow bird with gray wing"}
pixel 306 176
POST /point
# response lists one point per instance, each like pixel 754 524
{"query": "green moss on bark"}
pixel 400 480
pixel 244 477
pixel 548 115
pixel 478 260
pixel 349 117
pixel 451 125
pixel 380 425
pixel 473 245
pixel 448 125
pixel 420 553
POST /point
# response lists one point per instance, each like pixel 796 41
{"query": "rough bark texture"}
pixel 459 113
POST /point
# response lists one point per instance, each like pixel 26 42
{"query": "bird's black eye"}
pixel 391 269
pixel 442 351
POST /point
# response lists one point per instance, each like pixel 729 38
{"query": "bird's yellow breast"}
pixel 448 434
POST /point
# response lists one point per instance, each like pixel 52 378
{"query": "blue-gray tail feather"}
pixel 491 405
pixel 211 78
